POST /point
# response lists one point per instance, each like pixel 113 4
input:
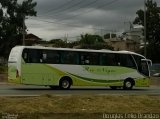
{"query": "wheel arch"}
pixel 130 79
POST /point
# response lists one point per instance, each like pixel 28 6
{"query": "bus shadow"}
pixel 76 89
pixel 106 89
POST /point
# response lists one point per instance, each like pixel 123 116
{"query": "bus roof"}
pixel 81 50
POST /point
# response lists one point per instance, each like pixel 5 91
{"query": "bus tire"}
pixel 113 87
pixel 128 84
pixel 65 83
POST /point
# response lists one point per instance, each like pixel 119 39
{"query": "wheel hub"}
pixel 128 84
pixel 65 84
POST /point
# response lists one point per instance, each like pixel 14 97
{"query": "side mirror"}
pixel 148 61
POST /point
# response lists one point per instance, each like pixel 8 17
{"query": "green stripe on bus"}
pixel 97 80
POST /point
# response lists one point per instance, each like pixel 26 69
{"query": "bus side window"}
pixel 81 59
pixel 44 57
pixel 112 60
pixel 69 57
pixel 25 55
pixel 103 59
pixel 84 59
pixel 108 59
pixel 94 58
pixel 34 56
pixel 89 59
pixel 126 61
pixel 52 57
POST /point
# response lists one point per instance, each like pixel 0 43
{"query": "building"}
pixel 119 44
pixel 31 39
pixel 135 33
pixel 130 40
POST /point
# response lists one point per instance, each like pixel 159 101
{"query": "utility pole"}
pixel 145 30
pixel 101 30
pixel 130 25
pixel 23 32
pixel 65 38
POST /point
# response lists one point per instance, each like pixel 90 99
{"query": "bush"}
pixel 3 69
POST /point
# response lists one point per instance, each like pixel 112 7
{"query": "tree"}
pixel 12 15
pixel 89 41
pixel 58 43
pixel 152 26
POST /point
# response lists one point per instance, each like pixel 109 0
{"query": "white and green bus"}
pixel 66 67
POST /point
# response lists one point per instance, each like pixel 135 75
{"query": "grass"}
pixel 155 81
pixel 79 104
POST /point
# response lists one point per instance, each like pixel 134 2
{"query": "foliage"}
pixel 12 14
pixel 3 69
pixel 58 43
pixel 86 41
pixel 152 52
pixel 73 44
pixel 90 39
pixel 97 46
pixel 152 27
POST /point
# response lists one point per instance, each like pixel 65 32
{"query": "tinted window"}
pixel 89 58
pixel 138 61
pixel 40 56
pixel 126 60
pixel 108 59
pixel 50 56
pixel 144 68
pixel 69 57
pixel 31 55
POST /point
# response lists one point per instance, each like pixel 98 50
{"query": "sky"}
pixel 59 19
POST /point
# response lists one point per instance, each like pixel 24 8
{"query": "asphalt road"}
pixel 29 90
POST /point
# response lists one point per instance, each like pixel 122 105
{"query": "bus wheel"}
pixel 65 83
pixel 113 87
pixel 128 84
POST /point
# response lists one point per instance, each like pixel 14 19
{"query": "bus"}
pixel 66 67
